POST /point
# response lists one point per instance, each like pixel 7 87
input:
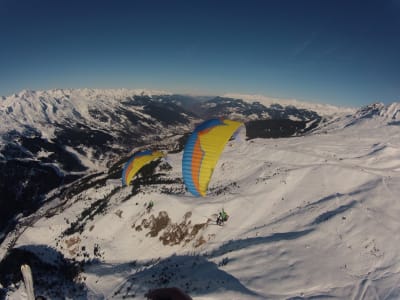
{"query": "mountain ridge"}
pixel 283 195
pixel 61 135
pixel 312 216
pixel 321 109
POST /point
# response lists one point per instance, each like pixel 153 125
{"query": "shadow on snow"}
pixel 53 275
pixel 194 275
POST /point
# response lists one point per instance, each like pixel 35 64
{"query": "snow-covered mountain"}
pixel 370 116
pixel 311 217
pixel 117 118
pixel 50 138
pixel 324 110
pixel 380 112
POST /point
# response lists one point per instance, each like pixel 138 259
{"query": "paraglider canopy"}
pixel 136 162
pixel 203 150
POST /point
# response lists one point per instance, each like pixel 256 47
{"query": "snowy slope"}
pixel 311 217
pixel 43 110
pixel 375 115
pixel 51 138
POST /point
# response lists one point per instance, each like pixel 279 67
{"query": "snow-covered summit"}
pixel 392 112
pixel 369 111
pixel 377 113
pixel 321 109
pixel 380 111
pixel 370 116
pixel 40 109
pixel 86 93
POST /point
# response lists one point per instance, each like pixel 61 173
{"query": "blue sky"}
pixel 343 52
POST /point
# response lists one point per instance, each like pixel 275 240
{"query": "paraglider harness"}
pixel 222 217
pixel 149 206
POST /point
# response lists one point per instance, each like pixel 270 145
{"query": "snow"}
pixel 310 217
pixel 39 109
pixel 393 111
pixel 321 109
pixel 87 160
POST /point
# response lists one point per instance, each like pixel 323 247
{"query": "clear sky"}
pixel 343 52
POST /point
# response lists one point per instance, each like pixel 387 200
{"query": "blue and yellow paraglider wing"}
pixel 136 162
pixel 202 152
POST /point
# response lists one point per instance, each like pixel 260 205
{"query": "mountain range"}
pixel 51 138
pixel 312 198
